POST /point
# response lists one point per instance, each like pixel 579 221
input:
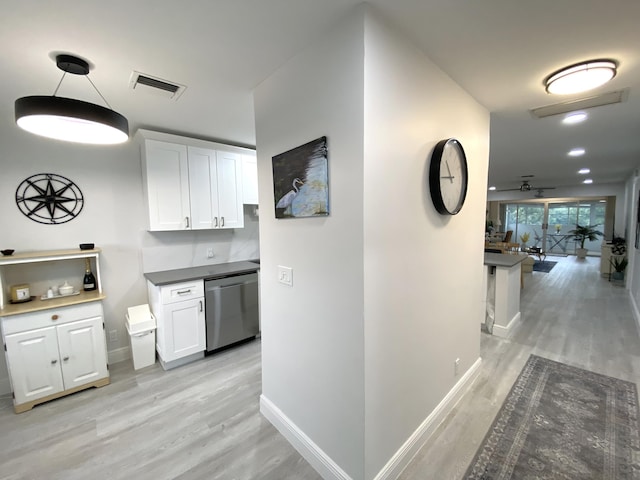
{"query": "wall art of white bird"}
pixel 287 199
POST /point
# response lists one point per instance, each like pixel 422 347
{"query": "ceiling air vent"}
pixel 618 96
pixel 157 86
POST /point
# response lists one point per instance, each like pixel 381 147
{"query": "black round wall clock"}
pixel 448 178
pixel 49 198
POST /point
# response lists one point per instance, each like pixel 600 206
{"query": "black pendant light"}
pixel 69 119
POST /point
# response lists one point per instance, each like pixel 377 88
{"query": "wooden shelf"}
pixel 36 304
pixel 47 256
pixel 35 257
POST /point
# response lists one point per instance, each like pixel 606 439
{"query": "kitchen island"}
pixel 502 277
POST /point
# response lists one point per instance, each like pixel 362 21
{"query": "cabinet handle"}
pixel 186 221
pixel 54 317
pixel 65 358
pixel 182 292
pixel 200 305
pixel 222 221
pixel 215 220
pixel 53 362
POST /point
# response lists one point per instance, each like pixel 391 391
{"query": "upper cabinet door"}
pixel 229 189
pixel 167 182
pixel 249 179
pixel 202 162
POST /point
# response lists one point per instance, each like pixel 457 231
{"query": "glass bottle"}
pixel 89 281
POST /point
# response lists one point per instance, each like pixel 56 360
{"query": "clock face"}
pixel 49 198
pixel 448 176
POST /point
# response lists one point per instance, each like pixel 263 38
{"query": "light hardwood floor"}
pixel 202 421
pixel 571 315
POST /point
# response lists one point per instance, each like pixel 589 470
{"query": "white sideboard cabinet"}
pixel 53 346
pixel 180 320
pixel 191 184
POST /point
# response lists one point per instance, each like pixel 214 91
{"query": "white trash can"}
pixel 141 326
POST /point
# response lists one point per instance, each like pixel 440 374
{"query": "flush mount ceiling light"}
pixel 492 188
pixel 69 119
pixel 584 171
pixel 576 152
pixel 580 77
pixel 575 117
pixel 588 181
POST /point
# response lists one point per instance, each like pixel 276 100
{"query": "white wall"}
pixel 633 270
pixel 312 342
pixel 423 271
pixel 113 218
pixel 360 351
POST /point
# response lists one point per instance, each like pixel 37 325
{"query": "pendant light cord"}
pixel 103 99
pixel 59 83
pixel 92 84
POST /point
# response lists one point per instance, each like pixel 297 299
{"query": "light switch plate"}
pixel 285 275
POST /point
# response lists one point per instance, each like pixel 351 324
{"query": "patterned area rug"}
pixel 545 266
pixel 562 422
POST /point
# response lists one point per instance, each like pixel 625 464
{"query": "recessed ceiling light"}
pixel 492 188
pixel 588 181
pixel 580 77
pixel 576 117
pixel 584 171
pixel 576 152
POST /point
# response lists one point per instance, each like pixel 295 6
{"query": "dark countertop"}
pixel 503 259
pixel 205 272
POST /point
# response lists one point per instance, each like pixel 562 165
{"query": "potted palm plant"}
pixel 583 233
pixel 619 264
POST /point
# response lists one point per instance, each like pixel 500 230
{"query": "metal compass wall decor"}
pixel 49 198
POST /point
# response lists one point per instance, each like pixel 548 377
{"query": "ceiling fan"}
pixel 527 187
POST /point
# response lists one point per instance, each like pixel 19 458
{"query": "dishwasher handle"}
pixel 211 288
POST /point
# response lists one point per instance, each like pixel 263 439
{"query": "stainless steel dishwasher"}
pixel 231 309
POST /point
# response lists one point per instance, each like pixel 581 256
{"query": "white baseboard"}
pixel 118 355
pixel 635 310
pixel 313 454
pixel 506 332
pixel 416 441
pixel 5 386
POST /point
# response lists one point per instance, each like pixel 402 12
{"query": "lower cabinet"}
pixel 55 352
pixel 180 320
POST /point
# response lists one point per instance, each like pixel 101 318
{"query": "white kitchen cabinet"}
pixel 250 178
pixel 180 320
pixel 191 184
pixel 55 352
pixel 229 177
pixel 166 178
pixel 215 180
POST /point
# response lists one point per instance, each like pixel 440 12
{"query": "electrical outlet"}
pixel 285 275
pixel 209 252
pixel 113 336
pixel 456 366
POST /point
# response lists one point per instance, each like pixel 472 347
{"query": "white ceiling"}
pixel 498 50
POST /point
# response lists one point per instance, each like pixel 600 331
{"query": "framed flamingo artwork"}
pixel 301 181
